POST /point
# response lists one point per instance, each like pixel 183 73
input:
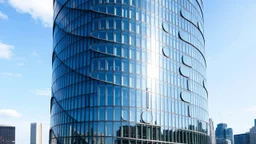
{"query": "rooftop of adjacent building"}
pixel 1 125
pixel 36 123
pixel 222 125
pixel 239 135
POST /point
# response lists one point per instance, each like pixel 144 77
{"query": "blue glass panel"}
pixel 185 71
pixel 187 61
pixel 190 111
pixel 196 23
pixel 188 16
pixel 205 87
pixel 185 96
pixel 112 36
pixel 189 86
pixel 200 2
pixel 125 114
pixel 197 6
pixel 184 36
pixel 167 51
pixel 125 97
pixel 117 78
pixel 188 38
pixel 200 26
pixel 205 84
pixel 165 26
pixel 147 117
pixel 109 77
pixel 117 98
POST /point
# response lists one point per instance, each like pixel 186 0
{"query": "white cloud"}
pixel 38 9
pixel 44 92
pixel 9 113
pixel 3 16
pixel 20 64
pixel 10 74
pixel 6 51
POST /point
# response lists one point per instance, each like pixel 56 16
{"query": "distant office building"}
pixel 212 132
pixel 242 138
pixel 229 135
pixel 36 133
pixel 220 132
pixel 7 134
pixel 224 134
pixel 253 134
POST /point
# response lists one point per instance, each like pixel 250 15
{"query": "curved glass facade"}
pixel 129 72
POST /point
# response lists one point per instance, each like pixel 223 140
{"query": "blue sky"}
pixel 230 35
pixel 25 60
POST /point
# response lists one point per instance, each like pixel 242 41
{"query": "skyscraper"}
pixel 129 71
pixel 7 134
pixel 212 132
pixel 224 134
pixel 36 132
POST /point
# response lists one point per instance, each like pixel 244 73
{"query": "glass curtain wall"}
pixel 129 72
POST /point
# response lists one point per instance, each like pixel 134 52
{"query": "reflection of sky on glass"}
pixel 152 69
pixel 230 43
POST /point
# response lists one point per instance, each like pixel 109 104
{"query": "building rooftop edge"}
pixel 3 125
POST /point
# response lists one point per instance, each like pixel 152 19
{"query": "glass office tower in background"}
pixel 223 133
pixel 36 133
pixel 7 134
pixel 129 71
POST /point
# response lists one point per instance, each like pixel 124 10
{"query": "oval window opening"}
pixel 147 117
pixel 185 96
pixel 125 114
pixel 166 51
pixel 184 71
pixel 187 61
pixel 190 111
pixel 165 26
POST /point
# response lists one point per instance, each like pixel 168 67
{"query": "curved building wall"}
pixel 129 71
